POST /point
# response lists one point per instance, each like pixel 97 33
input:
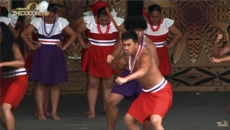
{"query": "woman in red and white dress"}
pixel 102 35
pixel 157 30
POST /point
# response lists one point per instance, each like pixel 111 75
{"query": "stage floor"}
pixel 188 112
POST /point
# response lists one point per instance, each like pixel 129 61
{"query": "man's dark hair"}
pixel 52 8
pixel 133 23
pixel 3 11
pixel 6 45
pixel 130 35
pixel 102 11
pixel 154 8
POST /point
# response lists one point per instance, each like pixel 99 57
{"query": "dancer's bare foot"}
pixel 41 117
pixel 47 113
pixel 91 116
pixel 87 112
pixel 55 117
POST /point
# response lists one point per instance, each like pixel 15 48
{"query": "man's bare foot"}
pixel 48 113
pixel 55 117
pixel 87 112
pixel 91 116
pixel 41 117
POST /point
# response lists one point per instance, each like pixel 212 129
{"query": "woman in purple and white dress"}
pixel 48 66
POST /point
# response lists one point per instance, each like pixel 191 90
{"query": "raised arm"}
pixel 216 52
pixel 15 33
pixel 118 52
pixel 152 50
pixel 29 29
pixel 19 26
pixel 19 60
pixel 80 29
pixel 177 35
pixel 117 65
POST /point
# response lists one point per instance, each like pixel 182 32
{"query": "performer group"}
pixel 136 45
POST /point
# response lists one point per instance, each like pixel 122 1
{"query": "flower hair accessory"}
pixel 97 6
pixel 145 12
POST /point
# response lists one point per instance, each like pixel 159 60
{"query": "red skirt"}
pixel 150 103
pixel 13 90
pixel 94 61
pixel 28 62
pixel 164 61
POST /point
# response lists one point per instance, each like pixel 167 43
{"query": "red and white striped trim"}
pixel 135 59
pixel 102 42
pixel 157 87
pixel 48 41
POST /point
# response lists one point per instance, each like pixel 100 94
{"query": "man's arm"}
pixel 216 52
pixel 153 51
pixel 117 65
pixel 19 60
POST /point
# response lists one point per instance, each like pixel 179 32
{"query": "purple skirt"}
pixel 48 66
pixel 130 90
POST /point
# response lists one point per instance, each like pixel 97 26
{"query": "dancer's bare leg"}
pixel 107 86
pixel 131 122
pixel 55 94
pixel 156 121
pixel 2 118
pixel 34 87
pixel 87 82
pixel 46 102
pixel 40 96
pixel 8 115
pixel 112 109
pixel 93 86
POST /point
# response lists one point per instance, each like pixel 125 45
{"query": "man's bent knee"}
pixel 6 107
pixel 156 120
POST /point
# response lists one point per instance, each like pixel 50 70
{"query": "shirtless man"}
pixel 156 98
pixel 131 89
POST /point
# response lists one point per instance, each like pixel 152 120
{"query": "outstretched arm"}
pixel 19 60
pixel 145 62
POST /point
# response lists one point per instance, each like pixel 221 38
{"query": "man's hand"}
pixel 110 58
pixel 215 60
pixel 218 38
pixel 121 80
